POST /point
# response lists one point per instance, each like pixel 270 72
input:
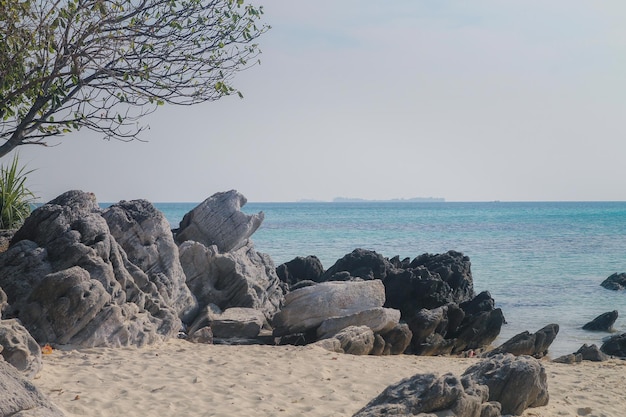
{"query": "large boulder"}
pixel 615 346
pixel 427 394
pixel 20 398
pixel 604 322
pixel 19 349
pixel 379 320
pixel 241 278
pixel 144 234
pixel 70 282
pixel 531 344
pixel 219 221
pixel 306 308
pixel 300 269
pixel 517 383
pixel 615 282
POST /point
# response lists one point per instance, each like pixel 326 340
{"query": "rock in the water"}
pixel 615 345
pixel 380 320
pixel 525 343
pixel 238 322
pixel 145 235
pixel 20 398
pixel 219 221
pixel 19 348
pixel 517 383
pixel 427 394
pixel 306 308
pixel 604 322
pixel 360 263
pixel 70 282
pixel 615 282
pixel 242 278
pixel 300 269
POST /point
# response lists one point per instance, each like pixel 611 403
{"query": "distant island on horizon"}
pixel 393 200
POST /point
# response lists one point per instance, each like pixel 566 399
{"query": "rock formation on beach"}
pixel 19 397
pixel 69 281
pixel 502 385
pixel 433 293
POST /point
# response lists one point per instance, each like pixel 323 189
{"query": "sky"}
pixel 481 100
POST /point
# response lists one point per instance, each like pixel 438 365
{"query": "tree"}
pixel 102 65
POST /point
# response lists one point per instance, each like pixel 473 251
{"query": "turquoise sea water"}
pixel 542 262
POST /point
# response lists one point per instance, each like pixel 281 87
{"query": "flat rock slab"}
pixel 306 308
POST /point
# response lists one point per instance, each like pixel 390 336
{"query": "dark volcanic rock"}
pixel 525 343
pixel 517 383
pixel 360 263
pixel 616 346
pixel 615 282
pixel 300 269
pixel 604 322
pixel 70 282
pixel 454 269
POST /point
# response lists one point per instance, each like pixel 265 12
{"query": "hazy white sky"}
pixel 466 100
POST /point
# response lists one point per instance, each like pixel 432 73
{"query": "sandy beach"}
pixel 178 378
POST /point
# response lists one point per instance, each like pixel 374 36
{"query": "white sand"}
pixel 178 378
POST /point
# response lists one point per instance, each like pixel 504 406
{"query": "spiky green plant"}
pixel 15 197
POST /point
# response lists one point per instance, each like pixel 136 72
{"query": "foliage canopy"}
pixel 102 65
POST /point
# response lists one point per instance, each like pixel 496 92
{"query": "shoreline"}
pixel 177 377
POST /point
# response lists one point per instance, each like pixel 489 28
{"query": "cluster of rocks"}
pixel 432 295
pixel 82 275
pixel 500 385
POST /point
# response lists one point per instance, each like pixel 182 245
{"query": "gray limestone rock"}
pixel 306 308
pixel 517 383
pixel 356 340
pixel 423 394
pixel 379 319
pixel 20 398
pixel 145 236
pixel 397 340
pixel 238 322
pixel 219 221
pixel 69 281
pixel 19 348
pixel 242 278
